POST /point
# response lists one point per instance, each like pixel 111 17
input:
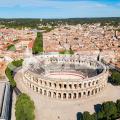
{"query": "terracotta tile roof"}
pixel 30 45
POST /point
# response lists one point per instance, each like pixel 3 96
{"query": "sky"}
pixel 59 8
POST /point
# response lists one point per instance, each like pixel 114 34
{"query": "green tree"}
pixel 115 78
pixel 24 108
pixel 11 48
pixel 109 109
pixel 100 115
pixel 118 106
pixel 86 116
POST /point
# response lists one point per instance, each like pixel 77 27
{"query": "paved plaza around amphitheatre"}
pixel 52 109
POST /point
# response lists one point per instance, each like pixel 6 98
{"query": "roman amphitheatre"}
pixel 65 77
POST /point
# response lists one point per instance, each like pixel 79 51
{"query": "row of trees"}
pixel 24 108
pixel 38 44
pixel 10 71
pixel 107 111
pixel 34 23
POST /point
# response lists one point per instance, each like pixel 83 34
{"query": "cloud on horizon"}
pixel 59 8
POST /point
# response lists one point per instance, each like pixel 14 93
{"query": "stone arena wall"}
pixel 67 89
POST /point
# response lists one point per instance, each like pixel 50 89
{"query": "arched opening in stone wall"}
pixel 84 93
pixel 54 94
pixel 45 83
pixel 45 92
pixel 64 95
pixel 89 84
pixel 93 83
pixel 40 91
pixel 33 87
pixel 69 95
pixel 75 86
pixel 88 93
pixel 92 92
pixel 36 89
pixel 55 85
pixel 79 95
pixel 59 95
pixel 49 94
pixel 65 86
pixel 80 85
pixel 41 82
pixel 60 86
pixel 70 86
pixel 74 95
pixel 95 90
pixel 49 84
pixel 97 82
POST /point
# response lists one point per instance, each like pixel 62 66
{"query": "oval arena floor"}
pixel 65 75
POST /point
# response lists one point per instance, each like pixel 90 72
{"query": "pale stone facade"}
pixel 73 88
